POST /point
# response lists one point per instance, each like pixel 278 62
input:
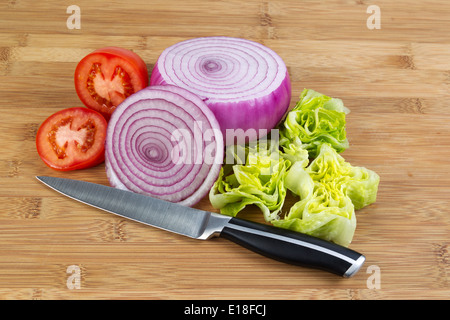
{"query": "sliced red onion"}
pixel 165 142
pixel 244 83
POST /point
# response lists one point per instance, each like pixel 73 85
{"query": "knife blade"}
pixel 276 243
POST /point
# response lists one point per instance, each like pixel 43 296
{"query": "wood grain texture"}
pixel 395 80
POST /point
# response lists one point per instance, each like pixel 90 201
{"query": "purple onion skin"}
pixel 258 114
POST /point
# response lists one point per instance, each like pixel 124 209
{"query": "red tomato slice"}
pixel 72 139
pixel 107 76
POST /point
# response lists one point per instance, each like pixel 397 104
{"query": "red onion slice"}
pixel 244 83
pixel 165 142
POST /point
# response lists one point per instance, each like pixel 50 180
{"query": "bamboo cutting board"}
pixel 394 76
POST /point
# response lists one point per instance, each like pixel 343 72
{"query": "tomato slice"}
pixel 72 138
pixel 107 76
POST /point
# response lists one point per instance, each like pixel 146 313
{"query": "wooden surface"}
pixel 395 80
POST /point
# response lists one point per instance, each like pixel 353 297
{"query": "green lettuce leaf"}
pixel 315 119
pixel 259 181
pixel 358 183
pixel 327 214
pixel 330 189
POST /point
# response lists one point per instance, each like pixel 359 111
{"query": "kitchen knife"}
pixel 276 243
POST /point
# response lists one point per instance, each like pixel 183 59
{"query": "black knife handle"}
pixel 293 247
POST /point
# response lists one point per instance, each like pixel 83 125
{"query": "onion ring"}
pixel 244 83
pixel 165 142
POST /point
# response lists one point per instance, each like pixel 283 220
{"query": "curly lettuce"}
pixel 258 181
pixel 315 119
pixel 358 183
pixel 330 190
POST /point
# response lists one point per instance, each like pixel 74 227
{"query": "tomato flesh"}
pixel 107 76
pixel 109 92
pixel 72 139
